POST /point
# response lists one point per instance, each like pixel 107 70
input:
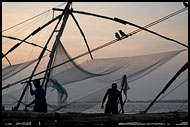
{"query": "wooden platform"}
pixel 92 118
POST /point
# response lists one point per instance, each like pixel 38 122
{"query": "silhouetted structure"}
pixel 112 104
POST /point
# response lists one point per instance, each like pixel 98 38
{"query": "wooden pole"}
pixel 39 58
pixel 32 34
pixel 65 18
pixel 82 33
pixel 185 66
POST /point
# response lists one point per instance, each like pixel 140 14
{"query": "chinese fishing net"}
pixel 77 88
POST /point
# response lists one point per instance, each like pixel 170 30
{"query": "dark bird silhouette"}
pixel 122 33
pixel 185 4
pixel 117 36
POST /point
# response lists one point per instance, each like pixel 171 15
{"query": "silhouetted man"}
pixel 114 96
pixel 39 102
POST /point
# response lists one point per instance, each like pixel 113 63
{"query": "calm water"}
pixel 137 107
pixel 156 108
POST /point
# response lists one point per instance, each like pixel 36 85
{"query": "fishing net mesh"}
pixel 9 71
pixel 77 88
pixel 87 83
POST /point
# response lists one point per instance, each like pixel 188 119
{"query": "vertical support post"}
pixel 39 59
pixel 66 15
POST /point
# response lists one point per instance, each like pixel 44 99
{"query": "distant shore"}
pixel 161 101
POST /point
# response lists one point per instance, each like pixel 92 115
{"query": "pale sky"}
pixel 100 31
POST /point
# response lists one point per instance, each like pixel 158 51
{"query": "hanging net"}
pixel 9 71
pixel 86 83
pixel 71 71
pixel 77 88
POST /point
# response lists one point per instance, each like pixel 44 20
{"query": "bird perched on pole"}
pixel 122 33
pixel 117 36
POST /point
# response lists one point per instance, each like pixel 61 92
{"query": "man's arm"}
pixel 104 99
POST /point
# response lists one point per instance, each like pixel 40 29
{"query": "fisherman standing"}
pixel 113 96
pixel 39 102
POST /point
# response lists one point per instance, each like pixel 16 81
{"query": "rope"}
pixel 61 4
pixel 160 20
pixel 167 38
pixel 132 24
pixel 20 30
pixel 183 109
pixel 39 33
pixel 24 21
pixel 14 38
pixel 32 34
pixel 31 18
pixel 34 46
pixel 138 30
pixel 7 59
pixel 173 89
pixel 179 109
pixel 30 24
